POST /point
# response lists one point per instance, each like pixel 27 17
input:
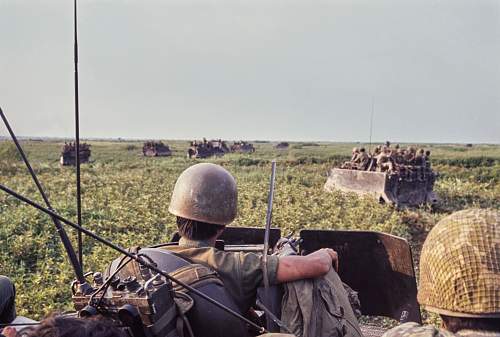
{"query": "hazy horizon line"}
pixel 139 139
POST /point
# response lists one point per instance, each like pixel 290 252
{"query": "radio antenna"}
pixel 77 139
pixel 371 123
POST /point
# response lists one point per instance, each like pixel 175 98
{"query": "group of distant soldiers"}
pixel 393 160
pixel 211 144
pixel 152 143
pixel 68 153
pixel 241 143
pixel 156 149
pixel 71 147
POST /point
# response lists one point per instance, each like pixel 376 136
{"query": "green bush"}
pixel 469 162
pixel 8 152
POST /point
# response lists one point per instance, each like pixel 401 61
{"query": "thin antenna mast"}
pixel 371 124
pixel 77 140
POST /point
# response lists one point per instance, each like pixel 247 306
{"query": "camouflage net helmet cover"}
pixel 205 192
pixel 460 265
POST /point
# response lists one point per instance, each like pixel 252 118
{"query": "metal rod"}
pixel 268 223
pixel 3 325
pixel 62 233
pixel 77 139
pixel 132 256
pixel 371 124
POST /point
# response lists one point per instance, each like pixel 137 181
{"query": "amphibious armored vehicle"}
pixel 156 149
pixel 68 154
pixel 141 299
pixel 242 147
pixel 405 185
pixel 205 149
pixel 282 145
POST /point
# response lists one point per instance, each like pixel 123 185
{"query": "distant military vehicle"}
pixel 156 149
pixel 205 149
pixel 404 186
pixel 68 154
pixel 282 145
pixel 242 147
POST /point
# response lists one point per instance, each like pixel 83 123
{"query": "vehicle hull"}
pixel 389 188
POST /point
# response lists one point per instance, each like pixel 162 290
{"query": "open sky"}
pixel 255 69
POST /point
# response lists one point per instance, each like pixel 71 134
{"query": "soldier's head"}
pixel 67 326
pixel 427 153
pixel 355 150
pixel 460 270
pixel 421 151
pixel 362 150
pixel 204 200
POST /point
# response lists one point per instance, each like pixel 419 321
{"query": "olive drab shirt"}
pixel 240 272
pixel 412 329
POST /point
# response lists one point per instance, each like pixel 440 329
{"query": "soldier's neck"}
pixel 185 242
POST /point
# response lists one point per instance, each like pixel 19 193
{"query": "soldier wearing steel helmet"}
pixel 362 160
pixel 7 300
pixel 204 201
pixel 460 277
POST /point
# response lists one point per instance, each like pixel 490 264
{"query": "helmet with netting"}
pixel 460 265
pixel 205 192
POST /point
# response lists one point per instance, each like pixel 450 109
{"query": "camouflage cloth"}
pixel 460 265
pixel 412 329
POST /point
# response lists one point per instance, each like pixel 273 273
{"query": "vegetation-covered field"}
pixel 126 196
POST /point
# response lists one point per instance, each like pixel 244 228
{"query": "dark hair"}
pixel 427 153
pixel 197 230
pixel 67 326
pixel 455 324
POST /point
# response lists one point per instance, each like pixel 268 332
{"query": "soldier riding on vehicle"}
pixel 204 201
pixel 393 175
pixel 460 277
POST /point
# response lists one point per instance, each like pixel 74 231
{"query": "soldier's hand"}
pixel 334 256
pixel 9 332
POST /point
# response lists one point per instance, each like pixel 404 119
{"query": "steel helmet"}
pixel 205 192
pixel 460 265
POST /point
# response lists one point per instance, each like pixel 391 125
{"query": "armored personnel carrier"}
pixel 141 299
pixel 156 149
pixel 242 147
pixel 204 149
pixel 404 185
pixel 68 154
pixel 282 145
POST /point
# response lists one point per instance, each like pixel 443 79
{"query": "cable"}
pixel 62 233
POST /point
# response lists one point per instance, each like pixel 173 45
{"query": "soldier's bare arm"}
pixel 292 268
